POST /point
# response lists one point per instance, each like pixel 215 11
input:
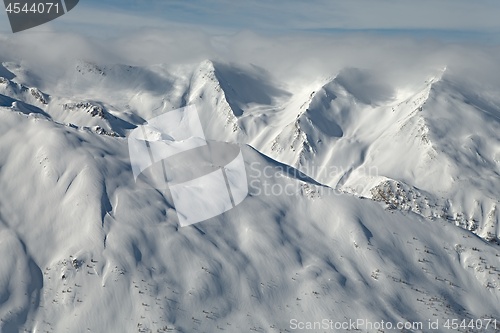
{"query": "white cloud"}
pixel 105 35
pixel 292 58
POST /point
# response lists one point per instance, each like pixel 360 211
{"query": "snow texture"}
pixel 364 202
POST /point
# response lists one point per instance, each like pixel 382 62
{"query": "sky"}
pixel 295 40
pixel 286 15
pixel 452 19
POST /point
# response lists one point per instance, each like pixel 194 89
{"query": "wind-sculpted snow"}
pixel 438 139
pixel 88 250
pixel 243 88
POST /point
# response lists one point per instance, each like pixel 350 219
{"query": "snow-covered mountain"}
pixel 434 151
pixel 366 202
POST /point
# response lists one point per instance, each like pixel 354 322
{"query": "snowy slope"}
pixel 87 250
pixel 441 140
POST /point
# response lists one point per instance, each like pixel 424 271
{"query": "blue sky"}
pixel 315 14
pixel 444 18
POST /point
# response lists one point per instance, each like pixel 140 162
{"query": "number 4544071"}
pixel 485 323
pixel 36 8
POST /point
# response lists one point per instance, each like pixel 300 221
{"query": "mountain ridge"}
pixel 355 230
pixel 336 137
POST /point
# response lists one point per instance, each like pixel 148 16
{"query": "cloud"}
pixel 296 59
pixel 293 39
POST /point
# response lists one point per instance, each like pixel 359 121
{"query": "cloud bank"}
pixel 297 58
pixel 298 42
